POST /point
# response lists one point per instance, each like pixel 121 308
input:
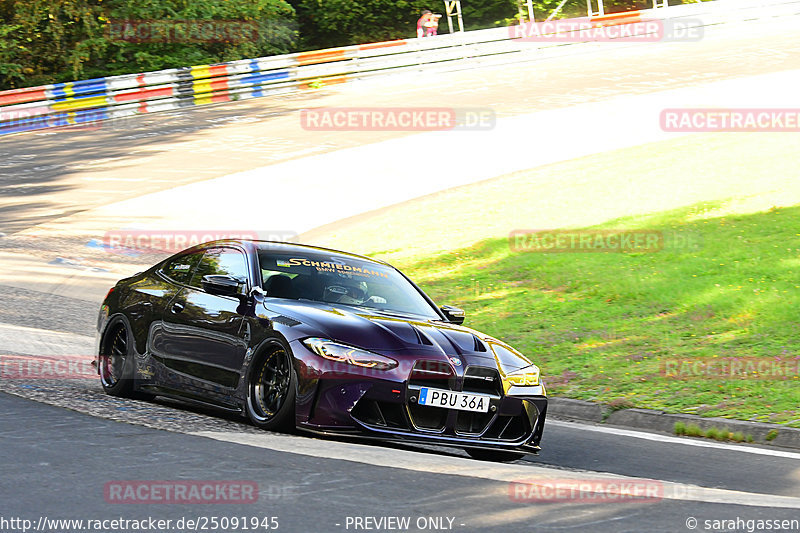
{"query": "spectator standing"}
pixel 432 25
pixel 421 28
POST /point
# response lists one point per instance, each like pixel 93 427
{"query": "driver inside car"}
pixel 350 293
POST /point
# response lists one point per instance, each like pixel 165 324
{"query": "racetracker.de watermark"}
pixel 585 490
pixel 173 241
pixel 47 367
pixel 704 120
pixel 766 368
pixel 181 492
pixel 31 118
pixel 623 30
pixel 601 241
pixel 397 119
pixel 182 31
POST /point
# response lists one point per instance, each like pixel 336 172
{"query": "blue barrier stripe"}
pixel 19 129
pixel 257 79
pixel 78 89
pixel 93 94
pixel 59 120
pixel 95 84
pixel 90 115
pixel 93 87
pixel 90 81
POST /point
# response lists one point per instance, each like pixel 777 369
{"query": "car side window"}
pixel 221 261
pixel 180 268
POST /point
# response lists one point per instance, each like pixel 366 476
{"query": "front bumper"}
pixel 517 425
pixel 383 405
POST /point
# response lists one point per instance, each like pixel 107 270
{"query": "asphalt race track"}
pixel 62 442
pixel 310 491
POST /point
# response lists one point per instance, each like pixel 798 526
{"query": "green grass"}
pixel 602 325
pixel 720 434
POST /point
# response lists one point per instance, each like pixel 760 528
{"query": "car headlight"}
pixel 524 377
pixel 343 353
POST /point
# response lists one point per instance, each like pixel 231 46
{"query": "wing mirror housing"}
pixel 222 285
pixel 455 315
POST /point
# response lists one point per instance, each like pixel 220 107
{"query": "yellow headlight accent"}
pixel 523 380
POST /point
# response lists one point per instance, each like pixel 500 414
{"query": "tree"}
pixel 45 41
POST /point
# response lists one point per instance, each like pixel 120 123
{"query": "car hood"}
pixel 391 334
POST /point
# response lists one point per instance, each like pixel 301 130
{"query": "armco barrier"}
pixel 79 102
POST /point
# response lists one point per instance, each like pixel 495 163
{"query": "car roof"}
pixel 288 246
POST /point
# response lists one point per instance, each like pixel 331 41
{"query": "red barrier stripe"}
pixel 143 94
pixel 20 96
pixel 218 70
pixel 307 58
pixel 218 85
pixel 619 18
pixel 140 80
pixel 23 90
pixel 384 44
pixel 224 97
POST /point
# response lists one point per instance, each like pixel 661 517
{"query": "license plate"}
pixel 453 400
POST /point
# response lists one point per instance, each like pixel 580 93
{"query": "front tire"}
pixel 116 362
pixel 497 456
pixel 271 391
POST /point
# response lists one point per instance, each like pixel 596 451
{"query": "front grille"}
pixel 436 374
pixel 426 417
pixel 482 380
pixel 506 421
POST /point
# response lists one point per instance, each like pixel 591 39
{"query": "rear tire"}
pixel 497 456
pixel 116 363
pixel 271 387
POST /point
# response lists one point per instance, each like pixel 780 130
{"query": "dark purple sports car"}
pixel 321 340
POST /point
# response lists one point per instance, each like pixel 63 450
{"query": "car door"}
pixel 205 343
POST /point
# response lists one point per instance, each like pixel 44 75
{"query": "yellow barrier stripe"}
pixel 202 86
pixel 201 71
pixel 79 103
pixel 202 99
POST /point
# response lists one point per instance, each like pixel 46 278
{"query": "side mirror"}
pixel 222 285
pixel 453 314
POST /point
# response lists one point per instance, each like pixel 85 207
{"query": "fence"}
pixel 80 102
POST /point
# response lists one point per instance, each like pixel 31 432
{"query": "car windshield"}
pixel 340 279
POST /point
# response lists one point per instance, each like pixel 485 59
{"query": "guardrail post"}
pixel 529 6
pixel 453 7
pixel 660 3
pixel 590 8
